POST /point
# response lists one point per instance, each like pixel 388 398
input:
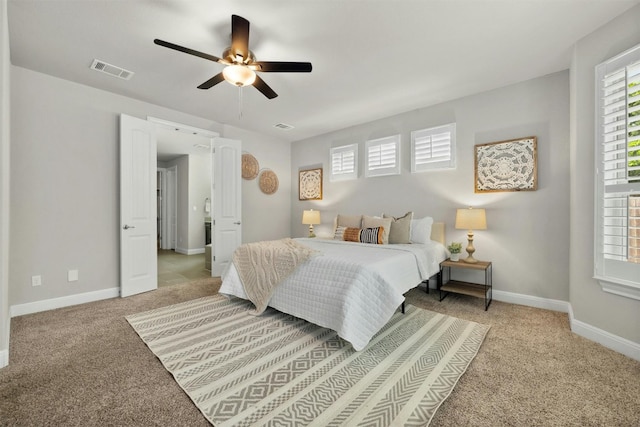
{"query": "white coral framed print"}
pixel 310 184
pixel 507 165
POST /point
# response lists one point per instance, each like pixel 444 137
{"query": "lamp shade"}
pixel 471 219
pixel 311 217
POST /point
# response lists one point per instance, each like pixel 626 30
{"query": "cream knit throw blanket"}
pixel 263 265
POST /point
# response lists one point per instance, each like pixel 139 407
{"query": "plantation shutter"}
pixel 344 162
pixel 618 169
pixel 433 148
pixel 383 156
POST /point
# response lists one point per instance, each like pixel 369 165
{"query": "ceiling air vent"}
pixel 283 126
pixel 112 70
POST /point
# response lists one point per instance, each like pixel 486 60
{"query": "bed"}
pixel 351 288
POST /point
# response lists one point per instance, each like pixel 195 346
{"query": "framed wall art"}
pixel 507 165
pixel 310 184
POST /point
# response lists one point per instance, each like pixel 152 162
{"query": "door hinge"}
pixel 214 257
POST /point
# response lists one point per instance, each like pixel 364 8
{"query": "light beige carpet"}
pixel 276 369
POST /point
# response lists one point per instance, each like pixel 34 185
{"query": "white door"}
pixel 226 181
pixel 138 254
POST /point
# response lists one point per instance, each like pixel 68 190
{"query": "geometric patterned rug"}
pixel 276 369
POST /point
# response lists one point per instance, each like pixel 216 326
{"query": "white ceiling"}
pixel 371 58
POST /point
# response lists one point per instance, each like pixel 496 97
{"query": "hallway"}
pixel 174 268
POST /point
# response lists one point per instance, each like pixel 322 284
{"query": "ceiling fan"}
pixel 241 64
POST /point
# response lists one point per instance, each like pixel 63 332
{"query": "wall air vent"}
pixel 112 70
pixel 283 126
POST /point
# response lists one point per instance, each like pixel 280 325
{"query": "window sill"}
pixel 620 287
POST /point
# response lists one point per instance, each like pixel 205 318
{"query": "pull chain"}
pixel 240 102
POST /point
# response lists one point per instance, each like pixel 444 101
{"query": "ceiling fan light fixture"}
pixel 239 75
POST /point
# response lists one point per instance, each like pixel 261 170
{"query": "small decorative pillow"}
pixel 372 221
pixel 339 234
pixel 351 234
pixel 372 235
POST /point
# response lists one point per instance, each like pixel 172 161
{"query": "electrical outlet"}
pixel 72 276
pixel 36 280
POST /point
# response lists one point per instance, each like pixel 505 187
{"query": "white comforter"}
pixel 351 288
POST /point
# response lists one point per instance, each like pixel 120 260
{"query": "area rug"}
pixel 276 369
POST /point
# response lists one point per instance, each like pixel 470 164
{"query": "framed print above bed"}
pixel 310 184
pixel 506 165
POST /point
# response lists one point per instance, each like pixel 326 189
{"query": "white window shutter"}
pixel 433 148
pixel 617 246
pixel 344 162
pixel 383 156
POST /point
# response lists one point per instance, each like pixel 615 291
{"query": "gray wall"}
pixel 182 202
pixel 64 183
pixel 4 184
pixel 265 217
pixel 199 190
pixel 617 315
pixel 528 232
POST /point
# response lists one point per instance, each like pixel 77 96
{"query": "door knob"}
pixel 126 227
pixel 237 223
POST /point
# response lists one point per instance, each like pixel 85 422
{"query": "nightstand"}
pixel 478 290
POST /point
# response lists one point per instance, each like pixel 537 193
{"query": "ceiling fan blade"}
pixel 186 50
pixel 240 36
pixel 283 67
pixel 264 88
pixel 212 81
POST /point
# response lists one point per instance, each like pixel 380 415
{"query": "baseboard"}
pixel 531 301
pixel 184 251
pixel 4 358
pixel 607 339
pixel 53 303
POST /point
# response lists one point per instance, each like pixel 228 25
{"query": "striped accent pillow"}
pixel 372 235
pixel 339 234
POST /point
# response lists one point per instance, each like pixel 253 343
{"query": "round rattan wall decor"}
pixel 250 166
pixel 268 181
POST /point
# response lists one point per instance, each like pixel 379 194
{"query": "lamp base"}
pixel 470 249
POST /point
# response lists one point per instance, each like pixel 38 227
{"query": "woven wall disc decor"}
pixel 250 166
pixel 268 181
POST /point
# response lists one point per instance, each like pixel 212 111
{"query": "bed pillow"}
pixel 400 231
pixel 351 234
pixel 353 221
pixel 372 222
pixel 421 230
pixel 372 235
pixel 339 234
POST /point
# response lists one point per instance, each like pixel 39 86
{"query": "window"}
pixel 617 252
pixel 433 148
pixel 344 163
pixel 383 156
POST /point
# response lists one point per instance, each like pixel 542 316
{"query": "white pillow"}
pixel 339 234
pixel 421 230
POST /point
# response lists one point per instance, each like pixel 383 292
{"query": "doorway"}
pixel 183 198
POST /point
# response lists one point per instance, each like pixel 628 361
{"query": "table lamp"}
pixel 311 217
pixel 471 219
